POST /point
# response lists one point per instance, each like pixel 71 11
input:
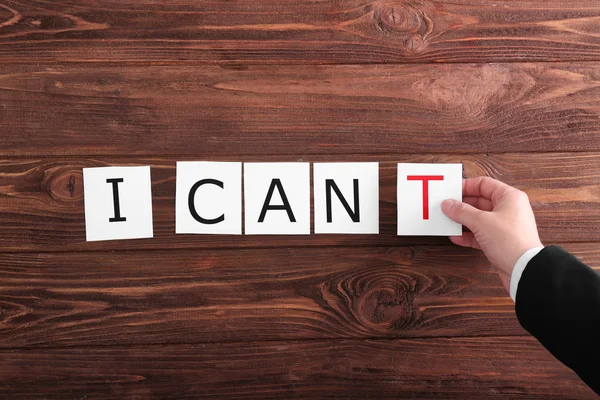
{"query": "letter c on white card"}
pixel 208 197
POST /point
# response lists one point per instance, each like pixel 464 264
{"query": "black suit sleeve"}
pixel 558 302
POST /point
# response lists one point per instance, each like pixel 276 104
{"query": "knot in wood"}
pixel 399 17
pixel 387 306
pixel 64 184
pixel 406 20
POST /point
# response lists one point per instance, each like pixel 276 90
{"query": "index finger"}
pixel 486 187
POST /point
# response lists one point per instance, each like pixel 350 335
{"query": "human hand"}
pixel 500 219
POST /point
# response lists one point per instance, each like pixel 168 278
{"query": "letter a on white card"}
pixel 277 198
pixel 346 197
pixel 118 203
pixel 209 197
pixel 421 190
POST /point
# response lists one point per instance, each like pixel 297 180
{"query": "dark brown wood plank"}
pixel 284 32
pixel 251 111
pixel 63 299
pixel 477 368
pixel 41 201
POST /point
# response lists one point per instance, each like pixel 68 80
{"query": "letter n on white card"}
pixel 118 203
pixel 277 198
pixel 346 197
pixel 421 190
pixel 208 197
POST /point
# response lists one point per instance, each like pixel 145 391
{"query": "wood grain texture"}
pixel 316 32
pixel 476 368
pixel 309 110
pixel 509 88
pixel 41 201
pixel 62 299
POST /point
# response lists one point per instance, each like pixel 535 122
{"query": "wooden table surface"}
pixel 509 88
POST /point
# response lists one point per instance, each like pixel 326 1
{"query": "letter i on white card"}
pixel 421 190
pixel 208 197
pixel 346 197
pixel 277 198
pixel 118 203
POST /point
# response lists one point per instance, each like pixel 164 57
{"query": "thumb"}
pixel 460 212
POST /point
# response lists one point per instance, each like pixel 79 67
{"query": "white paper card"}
pixel 277 198
pixel 421 190
pixel 338 187
pixel 209 197
pixel 118 203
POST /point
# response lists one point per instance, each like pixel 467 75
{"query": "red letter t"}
pixel 425 179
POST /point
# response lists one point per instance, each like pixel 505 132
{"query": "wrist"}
pixel 519 267
pixel 521 249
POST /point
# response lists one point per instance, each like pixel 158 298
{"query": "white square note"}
pixel 277 198
pixel 421 190
pixel 346 197
pixel 118 203
pixel 209 197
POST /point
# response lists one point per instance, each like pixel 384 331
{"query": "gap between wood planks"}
pixel 221 248
pixel 335 157
pixel 243 65
pixel 269 341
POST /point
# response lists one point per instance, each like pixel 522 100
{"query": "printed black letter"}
pixel 192 207
pixel 354 214
pixel 267 206
pixel 117 206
